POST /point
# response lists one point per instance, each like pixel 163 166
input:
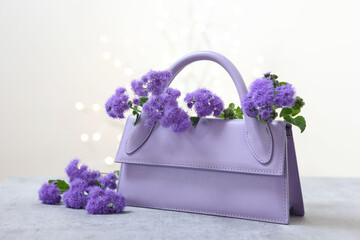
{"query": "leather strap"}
pixel 258 133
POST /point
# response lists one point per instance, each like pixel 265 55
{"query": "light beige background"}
pixel 54 54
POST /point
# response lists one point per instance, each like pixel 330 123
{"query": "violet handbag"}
pixel 241 168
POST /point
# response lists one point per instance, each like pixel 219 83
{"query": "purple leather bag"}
pixel 241 168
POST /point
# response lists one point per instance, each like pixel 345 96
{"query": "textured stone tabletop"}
pixel 332 211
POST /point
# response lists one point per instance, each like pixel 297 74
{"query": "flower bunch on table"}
pixel 159 103
pixel 88 189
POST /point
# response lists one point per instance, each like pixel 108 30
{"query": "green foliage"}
pixel 143 100
pixel 61 185
pixel 98 184
pixel 194 120
pixel 286 111
pixel 289 113
pixel 299 121
pixel 231 112
pixel 117 172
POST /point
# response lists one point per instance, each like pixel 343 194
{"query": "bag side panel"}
pixel 295 194
pixel 248 196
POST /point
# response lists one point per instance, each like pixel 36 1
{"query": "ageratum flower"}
pixel 164 108
pixel 136 101
pixel 284 96
pixel 153 82
pixel 117 104
pixel 49 193
pixel 105 202
pixel 108 181
pixel 205 103
pixel 177 119
pixel 158 81
pixel 76 196
pixel 265 94
pixel 74 172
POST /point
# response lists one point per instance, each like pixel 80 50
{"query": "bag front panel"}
pixel 248 196
pixel 214 144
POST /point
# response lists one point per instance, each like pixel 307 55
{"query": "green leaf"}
pixel 61 185
pixel 286 111
pixel 274 77
pixel 137 118
pixel 117 172
pixel 299 103
pixel 282 83
pixel 296 112
pixel 194 120
pixel 299 121
pixel 231 106
pixel 143 100
pixel 98 184
pixel 239 113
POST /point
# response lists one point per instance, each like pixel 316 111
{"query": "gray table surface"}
pixel 332 207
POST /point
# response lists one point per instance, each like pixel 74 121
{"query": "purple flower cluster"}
pixel 164 108
pixel 76 196
pixel 153 82
pixel 108 181
pixel 205 102
pixel 118 103
pixel 159 103
pixel 284 96
pixel 265 94
pixel 82 182
pixel 84 191
pixel 105 202
pixel 74 172
pixel 49 193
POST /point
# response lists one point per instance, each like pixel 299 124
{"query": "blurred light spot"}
pixel 103 38
pixel 96 107
pixel 260 59
pixel 200 27
pixel 117 63
pixel 106 55
pixel 128 71
pixel 238 10
pixel 79 106
pixel 160 25
pixel 96 136
pixel 173 37
pixel 197 16
pixel 185 31
pixel 109 160
pixel 84 137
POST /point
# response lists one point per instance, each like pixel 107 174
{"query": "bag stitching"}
pixel 253 150
pixel 198 166
pixel 126 160
pixel 141 142
pixel 267 130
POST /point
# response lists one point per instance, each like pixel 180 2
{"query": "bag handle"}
pixel 258 133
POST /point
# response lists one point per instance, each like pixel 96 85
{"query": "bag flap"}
pixel 214 144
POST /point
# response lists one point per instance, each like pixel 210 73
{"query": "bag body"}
pixel 215 168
